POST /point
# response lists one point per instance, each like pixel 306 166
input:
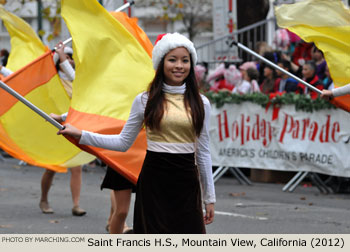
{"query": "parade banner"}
pixel 244 135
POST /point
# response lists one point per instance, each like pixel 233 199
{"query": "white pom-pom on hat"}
pixel 169 41
pixel 67 50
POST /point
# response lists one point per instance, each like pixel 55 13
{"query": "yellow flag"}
pixel 25 44
pixel 112 68
pixel 23 134
pixel 327 24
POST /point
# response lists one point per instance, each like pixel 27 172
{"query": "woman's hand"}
pixel 209 213
pixel 60 51
pixel 70 130
pixel 56 117
pixel 327 94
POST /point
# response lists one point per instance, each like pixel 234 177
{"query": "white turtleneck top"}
pixel 175 137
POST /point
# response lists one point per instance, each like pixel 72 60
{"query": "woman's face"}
pixel 316 54
pixel 177 64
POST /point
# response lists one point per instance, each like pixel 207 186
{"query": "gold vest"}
pixel 176 124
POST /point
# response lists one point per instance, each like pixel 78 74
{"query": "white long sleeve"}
pixel 68 70
pixel 124 140
pixel 5 72
pixel 341 90
pixel 203 157
pixel 64 116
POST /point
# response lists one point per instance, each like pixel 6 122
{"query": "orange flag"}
pixel 131 25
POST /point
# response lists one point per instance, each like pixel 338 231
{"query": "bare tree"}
pixel 50 10
pixel 196 15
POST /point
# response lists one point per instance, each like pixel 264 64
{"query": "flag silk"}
pixel 131 25
pixel 23 133
pixel 327 24
pixel 25 44
pixel 112 68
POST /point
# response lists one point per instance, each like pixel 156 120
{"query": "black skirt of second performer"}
pixel 114 181
pixel 168 196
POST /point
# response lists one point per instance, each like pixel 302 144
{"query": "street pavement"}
pixel 261 208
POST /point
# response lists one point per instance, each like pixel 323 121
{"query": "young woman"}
pixel 270 82
pixel 65 67
pixel 176 117
pixel 121 187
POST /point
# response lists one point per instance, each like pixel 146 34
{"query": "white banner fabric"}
pixel 244 135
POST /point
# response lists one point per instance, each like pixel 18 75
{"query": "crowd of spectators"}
pixel 294 55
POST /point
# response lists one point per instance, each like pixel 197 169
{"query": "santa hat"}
pixel 67 50
pixel 169 41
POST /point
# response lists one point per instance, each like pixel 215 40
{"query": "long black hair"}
pixel 154 110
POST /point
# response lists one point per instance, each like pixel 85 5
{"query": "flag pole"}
pixel 121 8
pixel 243 47
pixel 31 105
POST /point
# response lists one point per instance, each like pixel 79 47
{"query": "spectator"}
pixel 270 82
pixel 317 56
pixel 252 77
pixel 309 75
pixel 250 74
pixel 286 83
pixel 271 56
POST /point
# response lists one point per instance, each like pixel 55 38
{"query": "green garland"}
pixel 301 102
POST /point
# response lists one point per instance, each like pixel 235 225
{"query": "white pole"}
pixel 243 47
pixel 31 106
pixel 127 5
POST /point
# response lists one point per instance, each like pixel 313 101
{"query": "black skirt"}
pixel 114 181
pixel 168 196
